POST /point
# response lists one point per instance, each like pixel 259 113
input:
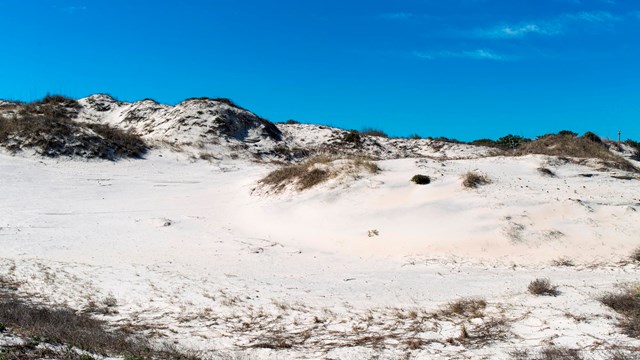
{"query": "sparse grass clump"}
pixel 467 307
pixel 316 171
pixel 374 132
pixel 473 179
pixel 563 262
pixel 65 326
pixel 421 179
pixel 635 255
pixel 546 172
pixel 548 353
pixel 627 303
pixel 542 286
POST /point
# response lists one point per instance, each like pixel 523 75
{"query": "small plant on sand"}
pixel 316 171
pixel 547 353
pixel 542 286
pixel 635 255
pixel 546 172
pixel 626 303
pixel 467 307
pixel 563 261
pixel 421 179
pixel 472 180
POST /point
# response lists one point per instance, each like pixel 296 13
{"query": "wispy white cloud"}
pixel 397 16
pixel 74 9
pixel 70 9
pixel 478 54
pixel 553 27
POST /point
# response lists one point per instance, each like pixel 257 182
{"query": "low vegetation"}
pixel 566 353
pixel 47 127
pixel 315 171
pixel 74 330
pixel 421 179
pixel 627 303
pixel 374 132
pixel 635 255
pixel 466 307
pixel 563 144
pixel 472 180
pixel 352 137
pixel 587 146
pixel 542 286
pixel 546 172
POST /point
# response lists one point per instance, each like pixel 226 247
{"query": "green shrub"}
pixel 511 141
pixel 374 132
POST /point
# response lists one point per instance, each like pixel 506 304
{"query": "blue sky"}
pixel 464 69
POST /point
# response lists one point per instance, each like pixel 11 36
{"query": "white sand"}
pixel 195 251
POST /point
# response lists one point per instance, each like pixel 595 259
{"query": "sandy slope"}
pixel 198 253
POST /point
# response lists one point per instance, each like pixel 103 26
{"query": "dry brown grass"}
pixel 542 286
pixel 583 147
pixel 47 126
pixel 59 136
pixel 472 180
pixel 315 171
pixel 75 330
pixel 627 303
pixel 466 307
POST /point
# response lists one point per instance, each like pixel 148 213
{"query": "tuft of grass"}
pixel 627 303
pixel 467 307
pixel 548 353
pixel 635 255
pixel 562 262
pixel 314 171
pixel 542 286
pixel 546 172
pixel 421 179
pixel 473 179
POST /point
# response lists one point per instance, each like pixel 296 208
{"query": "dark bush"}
pixel 374 132
pixel 567 133
pixel 511 141
pixel 352 137
pixel 592 137
pixel 484 142
pixel 421 179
